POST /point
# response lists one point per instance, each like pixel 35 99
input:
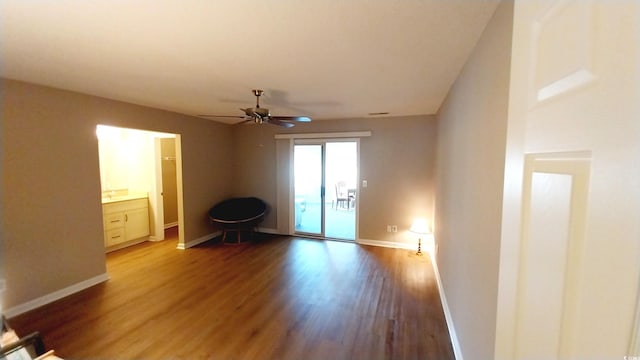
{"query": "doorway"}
pixel 325 188
pixel 140 162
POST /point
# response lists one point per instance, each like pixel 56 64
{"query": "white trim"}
pixel 156 200
pixel 634 343
pixel 213 235
pixel 457 350
pixel 292 193
pixel 350 134
pixel 56 295
pixel 170 225
pixel 323 141
pixel 199 240
pixel 268 231
pixel 567 83
pixel 387 244
pixel 358 189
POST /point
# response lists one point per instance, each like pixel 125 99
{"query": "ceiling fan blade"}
pixel 292 118
pixel 260 115
pixel 276 121
pixel 249 112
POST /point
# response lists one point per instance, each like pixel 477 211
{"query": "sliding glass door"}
pixel 325 188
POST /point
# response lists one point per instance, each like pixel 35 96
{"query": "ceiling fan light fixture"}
pixel 262 115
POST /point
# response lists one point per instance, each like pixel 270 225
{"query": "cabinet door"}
pixel 136 223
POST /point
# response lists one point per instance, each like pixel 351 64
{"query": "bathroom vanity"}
pixel 126 220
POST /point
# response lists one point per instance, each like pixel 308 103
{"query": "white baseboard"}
pixel 170 225
pixel 202 239
pixel 268 231
pixel 56 295
pixel 388 244
pixel 457 351
pixel 199 240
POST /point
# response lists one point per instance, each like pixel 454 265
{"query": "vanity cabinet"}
pixel 125 221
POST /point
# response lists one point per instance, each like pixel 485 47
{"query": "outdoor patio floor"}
pixel 340 222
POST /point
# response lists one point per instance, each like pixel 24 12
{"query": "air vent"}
pixel 378 113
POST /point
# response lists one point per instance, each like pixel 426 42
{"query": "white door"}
pixel 570 257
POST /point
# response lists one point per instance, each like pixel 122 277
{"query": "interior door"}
pixel 569 275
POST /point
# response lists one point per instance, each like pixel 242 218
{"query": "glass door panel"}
pixel 308 189
pixel 341 180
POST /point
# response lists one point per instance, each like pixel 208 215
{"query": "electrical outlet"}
pixel 394 228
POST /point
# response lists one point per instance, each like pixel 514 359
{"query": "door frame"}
pixel 155 195
pixel 310 140
pixel 284 178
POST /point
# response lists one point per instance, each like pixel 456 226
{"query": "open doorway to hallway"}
pixel 325 188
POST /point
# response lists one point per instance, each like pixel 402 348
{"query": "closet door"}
pixel 575 85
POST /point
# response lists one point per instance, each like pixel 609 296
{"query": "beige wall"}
pixel 52 234
pixel 470 170
pixel 397 161
pixel 52 221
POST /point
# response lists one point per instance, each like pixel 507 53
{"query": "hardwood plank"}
pixel 278 298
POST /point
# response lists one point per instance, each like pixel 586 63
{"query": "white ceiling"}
pixel 322 58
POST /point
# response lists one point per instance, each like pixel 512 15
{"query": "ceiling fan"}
pixel 260 115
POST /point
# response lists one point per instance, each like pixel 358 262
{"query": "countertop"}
pixel 118 198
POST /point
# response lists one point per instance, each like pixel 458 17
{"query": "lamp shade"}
pixel 420 226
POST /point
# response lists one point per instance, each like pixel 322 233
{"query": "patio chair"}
pixel 343 195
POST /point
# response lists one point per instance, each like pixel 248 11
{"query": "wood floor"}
pixel 277 298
